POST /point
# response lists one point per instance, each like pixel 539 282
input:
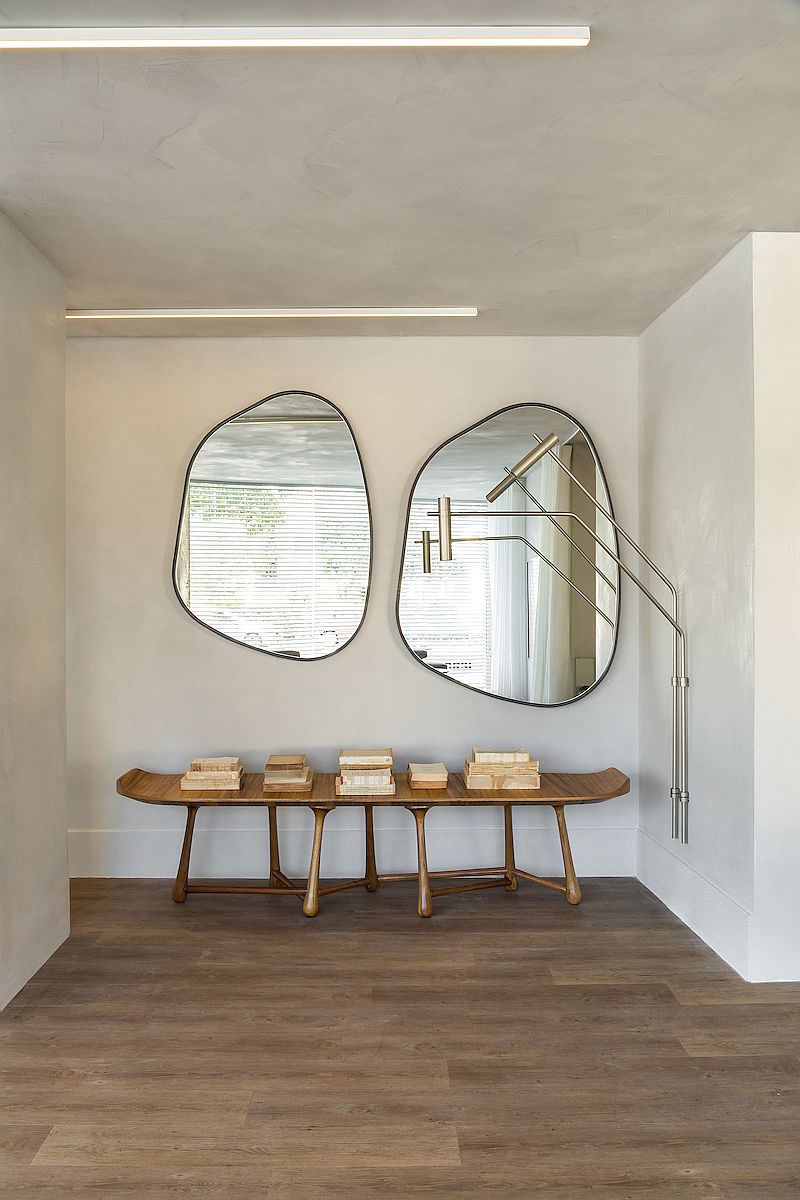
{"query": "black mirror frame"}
pixel 210 434
pixel 458 682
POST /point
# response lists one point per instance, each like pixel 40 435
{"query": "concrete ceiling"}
pixel 563 192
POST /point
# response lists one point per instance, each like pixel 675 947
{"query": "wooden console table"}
pixel 557 791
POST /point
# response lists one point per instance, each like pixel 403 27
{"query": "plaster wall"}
pixel 34 901
pixel 775 944
pixel 149 687
pixel 697 480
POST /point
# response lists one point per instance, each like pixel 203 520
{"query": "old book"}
pixel 277 782
pixel 195 781
pixel 366 766
pixel 366 758
pixel 281 776
pixel 427 785
pixel 501 768
pixel 503 783
pixel 432 772
pixel 374 778
pixel 507 756
pixel 215 764
pixel 285 762
pixel 364 793
pixel 219 776
pixel 343 788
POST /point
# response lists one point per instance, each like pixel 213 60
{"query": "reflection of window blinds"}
pixel 447 612
pixel 282 568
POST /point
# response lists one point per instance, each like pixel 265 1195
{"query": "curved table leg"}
pixel 511 867
pixel 274 847
pixel 371 867
pixel 311 902
pixel 424 898
pixel 570 878
pixel 182 878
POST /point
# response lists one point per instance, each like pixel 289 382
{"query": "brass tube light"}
pixel 445 530
pixel 523 466
pixel 426 551
pixel 679 791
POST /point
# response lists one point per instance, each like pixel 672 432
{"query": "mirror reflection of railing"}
pixel 274 544
pixel 517 537
pixel 521 608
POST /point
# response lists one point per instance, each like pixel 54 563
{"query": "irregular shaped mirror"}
pixel 274 543
pixel 497 596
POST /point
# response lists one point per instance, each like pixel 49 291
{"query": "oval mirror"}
pixel 274 544
pixel 520 606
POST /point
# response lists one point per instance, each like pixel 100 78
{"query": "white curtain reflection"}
pixel 509 601
pixel 550 670
pixel 531 635
pixel 605 599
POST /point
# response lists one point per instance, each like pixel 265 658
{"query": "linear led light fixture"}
pixel 288 37
pixel 178 314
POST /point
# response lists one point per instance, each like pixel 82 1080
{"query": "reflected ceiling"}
pixel 473 463
pixel 290 441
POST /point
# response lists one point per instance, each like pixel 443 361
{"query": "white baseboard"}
pixel 242 853
pixel 720 921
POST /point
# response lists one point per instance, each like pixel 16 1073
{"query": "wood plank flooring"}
pixel 510 1047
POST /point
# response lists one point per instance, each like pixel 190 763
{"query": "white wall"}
pixel 720 426
pixel 697 520
pixel 149 687
pixel 34 902
pixel 775 939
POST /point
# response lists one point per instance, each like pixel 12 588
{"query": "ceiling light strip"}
pixel 280 37
pixel 172 314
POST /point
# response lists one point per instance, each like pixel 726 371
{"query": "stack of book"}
pixel 365 773
pixel 501 770
pixel 287 773
pixel 427 775
pixel 213 775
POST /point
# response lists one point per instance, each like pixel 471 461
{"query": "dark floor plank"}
pixel 511 1047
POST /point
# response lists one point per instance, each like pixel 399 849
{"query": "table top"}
pixel 557 788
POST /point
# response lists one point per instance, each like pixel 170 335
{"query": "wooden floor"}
pixel 510 1047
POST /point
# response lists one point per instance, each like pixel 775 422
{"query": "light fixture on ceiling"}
pixel 176 314
pixel 290 37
